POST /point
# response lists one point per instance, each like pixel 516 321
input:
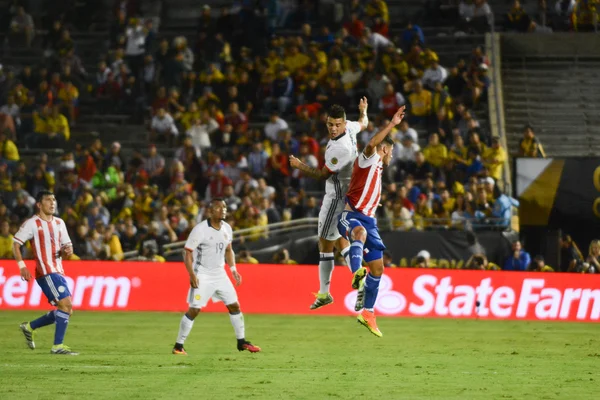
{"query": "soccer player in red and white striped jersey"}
pixel 358 225
pixel 50 242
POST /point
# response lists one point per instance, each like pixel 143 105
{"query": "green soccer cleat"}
pixel 63 349
pixel 28 333
pixel 322 300
pixel 358 276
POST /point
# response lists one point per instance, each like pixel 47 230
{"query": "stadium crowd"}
pixel 202 100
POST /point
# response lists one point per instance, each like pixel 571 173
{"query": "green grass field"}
pixel 127 356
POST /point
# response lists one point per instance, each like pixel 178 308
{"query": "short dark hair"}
pixel 337 111
pixel 388 140
pixel 217 199
pixel 41 194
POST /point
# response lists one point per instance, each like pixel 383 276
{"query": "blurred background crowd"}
pixel 217 111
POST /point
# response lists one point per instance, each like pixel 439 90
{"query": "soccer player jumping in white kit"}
pixel 207 248
pixel 339 158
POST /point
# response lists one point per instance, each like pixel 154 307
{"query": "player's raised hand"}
pixel 237 277
pixel 194 281
pixel 295 162
pixel 399 116
pixel 25 274
pixel 363 105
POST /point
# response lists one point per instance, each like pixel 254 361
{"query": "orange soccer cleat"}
pixel 367 318
pixel 248 346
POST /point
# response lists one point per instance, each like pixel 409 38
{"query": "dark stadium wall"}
pixel 558 195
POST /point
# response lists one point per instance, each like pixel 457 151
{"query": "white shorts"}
pixel 328 218
pixel 217 288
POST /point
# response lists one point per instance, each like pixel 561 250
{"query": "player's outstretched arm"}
pixel 363 119
pixel 315 173
pixel 378 138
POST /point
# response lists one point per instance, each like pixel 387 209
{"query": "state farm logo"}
pixel 389 302
pixel 96 291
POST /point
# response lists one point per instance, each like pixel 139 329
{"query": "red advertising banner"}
pixel 286 289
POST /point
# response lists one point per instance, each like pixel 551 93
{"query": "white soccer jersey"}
pixel 339 159
pixel 47 239
pixel 208 245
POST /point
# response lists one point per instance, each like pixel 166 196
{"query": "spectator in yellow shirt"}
pixel 6 241
pixel 530 146
pixel 244 257
pixel 435 152
pixel 295 60
pixel 378 8
pixel 9 153
pixel 283 257
pixel 69 97
pixel 494 158
pixel 420 103
pixel 57 124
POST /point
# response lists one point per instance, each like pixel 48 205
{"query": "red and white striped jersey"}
pixel 364 192
pixel 47 239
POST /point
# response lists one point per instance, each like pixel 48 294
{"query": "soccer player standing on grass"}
pixel 340 154
pixel 358 225
pixel 207 248
pixel 50 242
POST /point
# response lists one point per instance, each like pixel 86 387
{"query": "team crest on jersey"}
pixel 334 160
pixel 197 297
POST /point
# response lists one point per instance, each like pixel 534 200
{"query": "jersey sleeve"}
pixel 365 161
pixel 229 234
pixel 65 239
pixel 337 158
pixel 194 239
pixel 353 128
pixel 25 233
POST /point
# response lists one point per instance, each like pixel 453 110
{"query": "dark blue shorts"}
pixel 374 246
pixel 54 287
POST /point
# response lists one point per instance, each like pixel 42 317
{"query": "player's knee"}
pixel 377 270
pixel 65 305
pixel 325 246
pixel 233 308
pixel 192 313
pixel 359 233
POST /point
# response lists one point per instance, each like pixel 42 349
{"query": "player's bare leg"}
pixel 185 327
pixel 237 320
pixel 371 289
pixel 64 309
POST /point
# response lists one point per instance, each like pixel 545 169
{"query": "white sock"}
pixel 346 254
pixel 237 320
pixel 326 265
pixel 185 326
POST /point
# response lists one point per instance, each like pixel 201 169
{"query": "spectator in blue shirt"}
pixel 411 35
pixel 519 260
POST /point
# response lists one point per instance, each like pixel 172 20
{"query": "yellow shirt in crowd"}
pixel 9 150
pixel 420 103
pixel 6 243
pixel 436 154
pixel 494 161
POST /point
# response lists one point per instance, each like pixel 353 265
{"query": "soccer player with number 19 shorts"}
pixel 358 225
pixel 207 249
